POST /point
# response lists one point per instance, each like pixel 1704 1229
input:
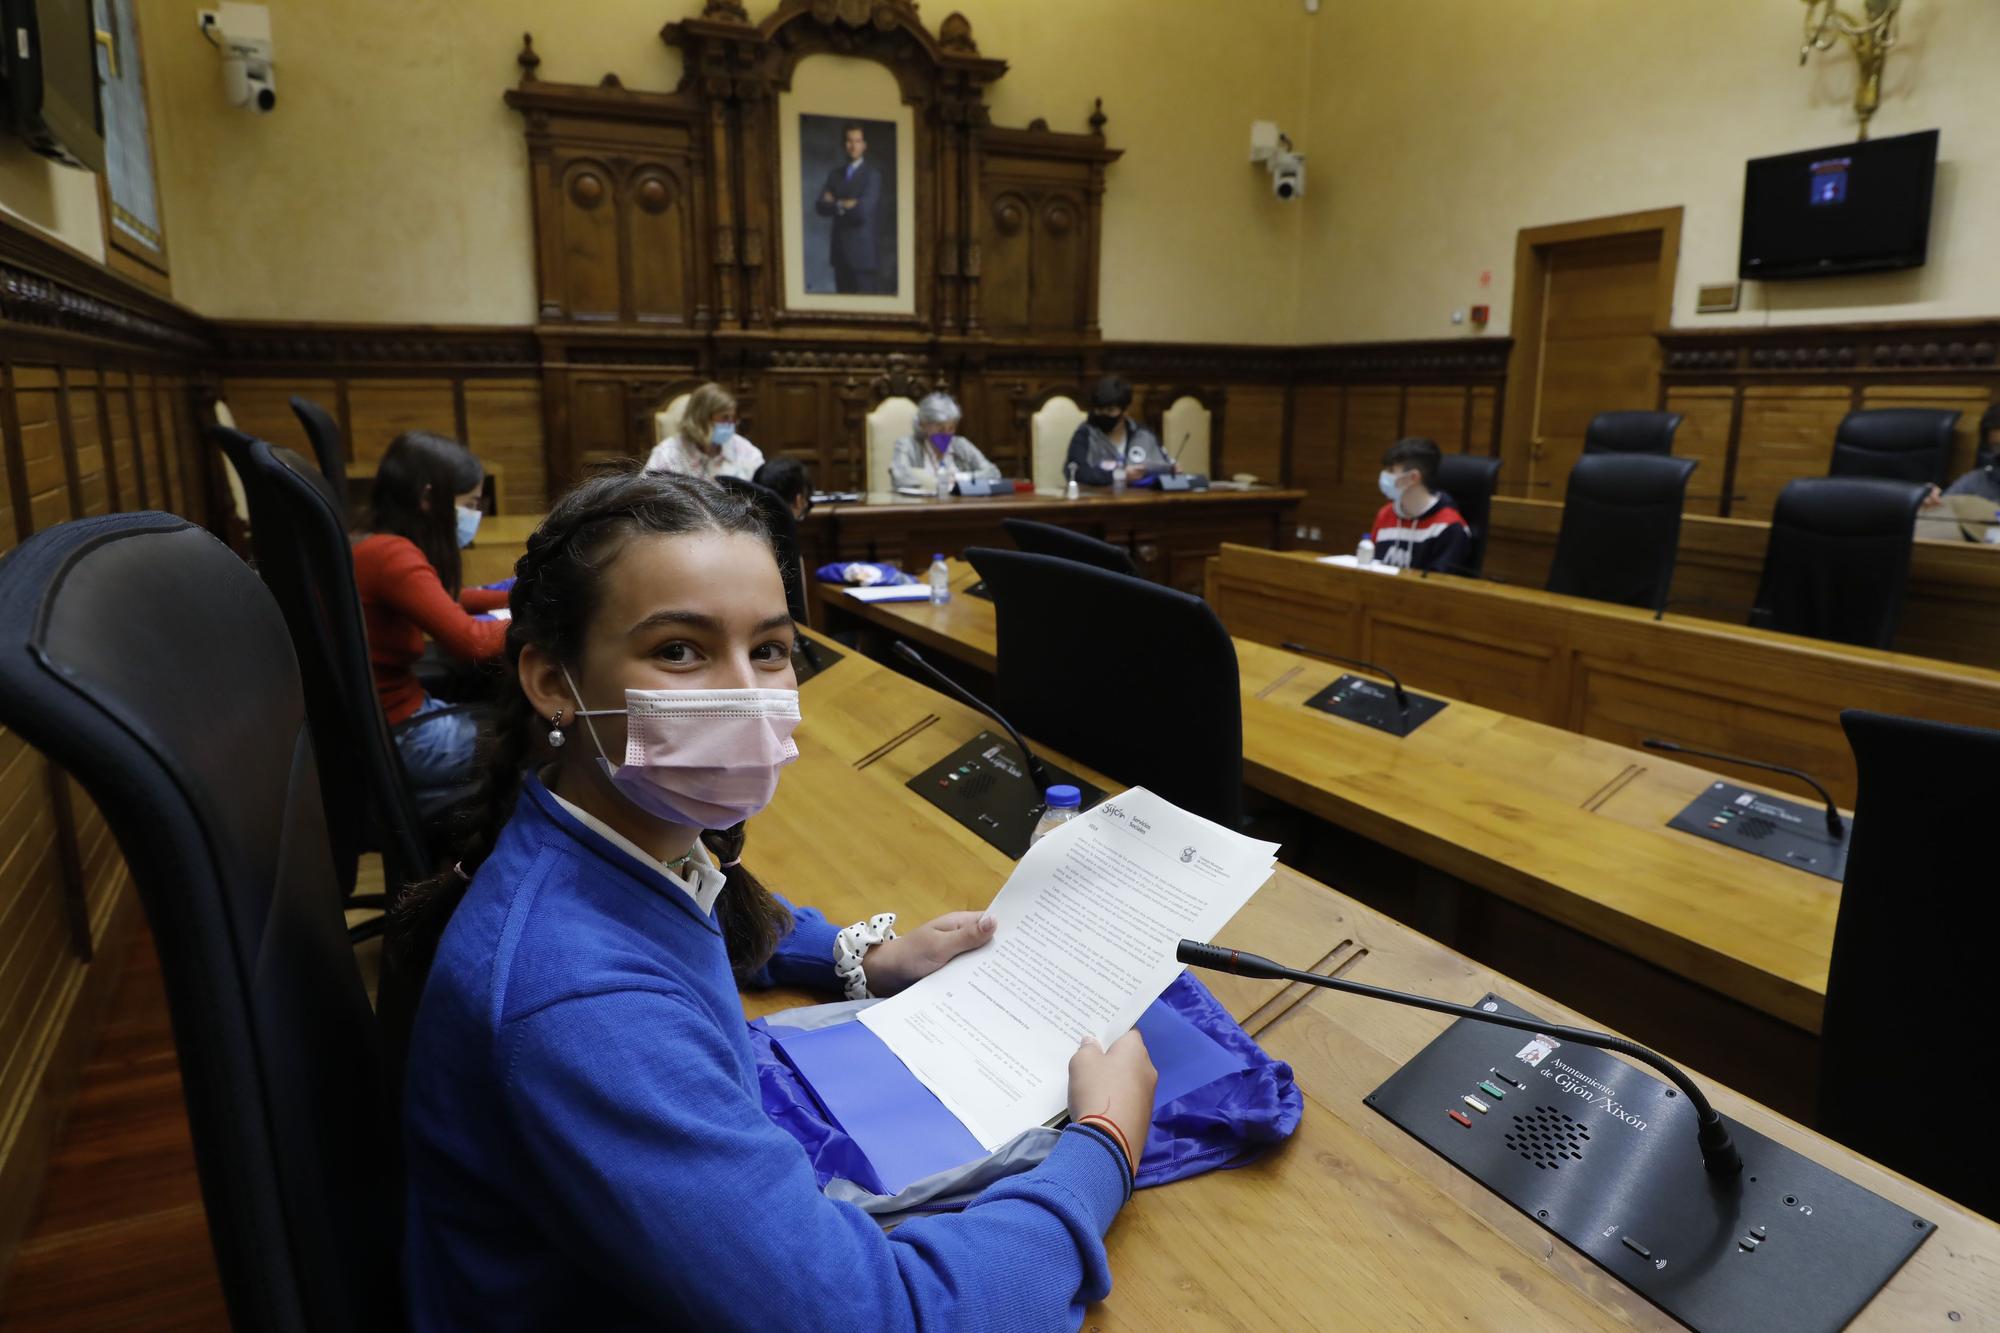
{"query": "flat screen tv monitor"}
pixel 48 58
pixel 1854 208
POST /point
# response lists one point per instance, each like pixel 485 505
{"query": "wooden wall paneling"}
pixel 503 423
pixel 1709 419
pixel 83 420
pixel 1316 459
pixel 262 408
pixel 586 219
pixel 38 401
pixel 595 410
pixel 1253 435
pixel 1786 432
pixel 1006 250
pixel 1437 413
pixel 661 258
pixel 122 442
pixel 1971 400
pixel 1373 421
pixel 146 439
pixel 1482 421
pixel 380 410
pixel 1486 662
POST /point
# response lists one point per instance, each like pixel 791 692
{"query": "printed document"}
pixel 1084 941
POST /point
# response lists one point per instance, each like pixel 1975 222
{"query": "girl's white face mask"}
pixel 701 758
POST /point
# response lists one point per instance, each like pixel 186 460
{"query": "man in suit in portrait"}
pixel 852 197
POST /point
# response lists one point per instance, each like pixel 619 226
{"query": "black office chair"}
pixel 1621 528
pixel 1048 539
pixel 785 536
pixel 142 656
pixel 1895 443
pixel 324 434
pixel 304 556
pixel 1838 559
pixel 1631 433
pixel 1907 994
pixel 1470 480
pixel 1130 677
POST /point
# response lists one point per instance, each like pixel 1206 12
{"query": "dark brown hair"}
pixel 558 588
pixel 417 464
pixel 1419 453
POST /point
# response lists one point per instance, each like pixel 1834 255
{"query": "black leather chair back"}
pixel 1895 443
pixel 324 434
pixel 784 527
pixel 1048 539
pixel 1130 677
pixel 1470 480
pixel 1631 433
pixel 141 655
pixel 1908 992
pixel 1621 528
pixel 1838 559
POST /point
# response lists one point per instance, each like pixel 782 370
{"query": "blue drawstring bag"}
pixel 1221 1100
pixel 856 573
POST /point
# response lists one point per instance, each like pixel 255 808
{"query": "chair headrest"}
pixel 1630 480
pixel 1850 506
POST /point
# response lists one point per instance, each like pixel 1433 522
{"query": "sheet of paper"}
pixel 891 592
pixel 1085 937
pixel 1349 562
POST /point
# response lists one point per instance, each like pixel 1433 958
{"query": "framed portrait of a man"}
pixel 845 163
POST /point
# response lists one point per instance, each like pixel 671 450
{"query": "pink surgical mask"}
pixel 701 758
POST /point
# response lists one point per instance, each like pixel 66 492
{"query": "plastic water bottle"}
pixel 1070 492
pixel 1062 803
pixel 940 580
pixel 944 480
pixel 1364 554
pixel 1118 477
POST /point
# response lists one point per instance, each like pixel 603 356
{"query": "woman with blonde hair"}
pixel 706 444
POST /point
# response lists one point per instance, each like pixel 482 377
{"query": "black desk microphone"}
pixel 1836 828
pixel 1718 1152
pixel 953 688
pixel 1402 699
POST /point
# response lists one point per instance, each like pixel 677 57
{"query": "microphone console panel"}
pixel 1374 704
pixel 983 786
pixel 1606 1157
pixel 1791 833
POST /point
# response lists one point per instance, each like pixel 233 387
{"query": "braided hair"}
pixel 557 591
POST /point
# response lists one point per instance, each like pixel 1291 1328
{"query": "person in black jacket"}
pixel 852 197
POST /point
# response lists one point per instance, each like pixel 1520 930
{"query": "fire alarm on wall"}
pixel 1481 313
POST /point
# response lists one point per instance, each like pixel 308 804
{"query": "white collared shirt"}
pixel 737 458
pixel 698 879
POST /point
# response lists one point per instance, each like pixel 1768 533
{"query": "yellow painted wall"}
pixel 1439 128
pixel 391 184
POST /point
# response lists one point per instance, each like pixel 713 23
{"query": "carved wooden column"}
pixel 1096 205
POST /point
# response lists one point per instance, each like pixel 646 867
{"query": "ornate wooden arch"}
pixel 659 240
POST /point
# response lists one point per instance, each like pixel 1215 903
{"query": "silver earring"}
pixel 556 737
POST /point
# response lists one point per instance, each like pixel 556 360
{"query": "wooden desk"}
pixel 1171 537
pixel 1612 672
pixel 501 539
pixel 1568 827
pixel 1350 1223
pixel 1951 610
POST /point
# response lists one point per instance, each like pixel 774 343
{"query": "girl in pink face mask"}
pixel 586 1139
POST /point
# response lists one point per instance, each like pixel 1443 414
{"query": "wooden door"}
pixel 1589 300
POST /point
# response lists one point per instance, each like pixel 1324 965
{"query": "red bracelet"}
pixel 1117 1134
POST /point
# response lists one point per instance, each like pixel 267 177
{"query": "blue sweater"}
pixel 587 1147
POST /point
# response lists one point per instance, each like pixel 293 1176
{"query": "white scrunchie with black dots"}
pixel 852 945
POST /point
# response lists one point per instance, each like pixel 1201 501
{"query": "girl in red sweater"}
pixel 424 507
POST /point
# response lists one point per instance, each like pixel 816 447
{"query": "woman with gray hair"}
pixel 932 459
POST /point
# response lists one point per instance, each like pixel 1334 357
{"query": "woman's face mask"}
pixel 941 439
pixel 699 758
pixel 468 524
pixel 1105 421
pixel 721 433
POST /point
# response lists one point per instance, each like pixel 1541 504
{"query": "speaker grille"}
pixel 1755 828
pixel 1547 1137
pixel 977 785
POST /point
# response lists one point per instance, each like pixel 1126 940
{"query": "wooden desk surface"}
pixel 1090 498
pixel 1612 672
pixel 1570 827
pixel 1350 1223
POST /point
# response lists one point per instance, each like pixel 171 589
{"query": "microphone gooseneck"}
pixel 1402 699
pixel 952 687
pixel 1836 827
pixel 1719 1155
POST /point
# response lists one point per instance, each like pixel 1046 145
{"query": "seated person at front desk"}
pixel 1109 440
pixel 786 477
pixel 932 459
pixel 706 444
pixel 1418 528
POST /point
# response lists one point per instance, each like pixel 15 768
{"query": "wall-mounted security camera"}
pixel 1273 147
pixel 242 33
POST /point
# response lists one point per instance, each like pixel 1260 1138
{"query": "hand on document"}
pixel 895 964
pixel 1084 938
